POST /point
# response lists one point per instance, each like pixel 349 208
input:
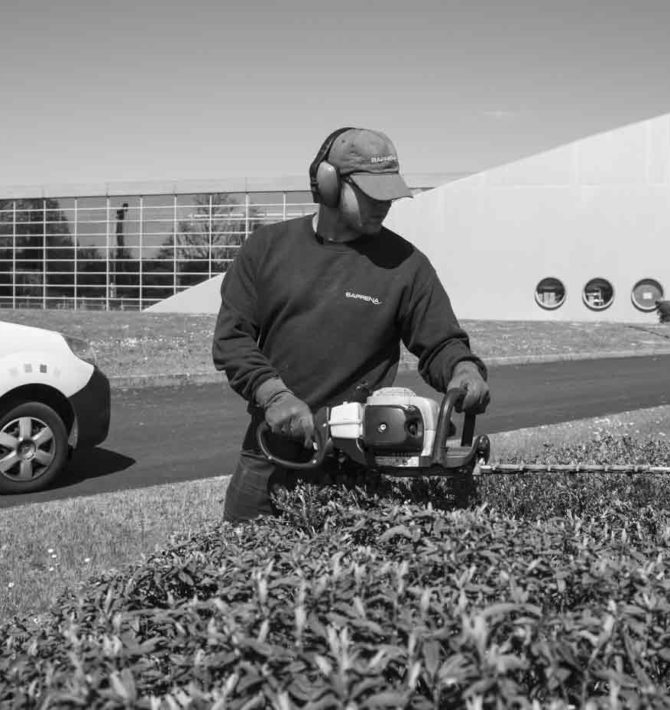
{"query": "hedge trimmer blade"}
pixel 481 469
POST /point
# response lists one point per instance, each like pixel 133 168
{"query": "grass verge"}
pixel 52 546
pixel 131 344
pixel 48 547
pixel 641 424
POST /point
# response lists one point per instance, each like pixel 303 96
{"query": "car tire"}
pixel 33 447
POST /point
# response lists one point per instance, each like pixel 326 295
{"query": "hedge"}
pixel 550 592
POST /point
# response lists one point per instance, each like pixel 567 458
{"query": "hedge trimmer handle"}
pixel 322 445
pixel 450 401
pixel 441 455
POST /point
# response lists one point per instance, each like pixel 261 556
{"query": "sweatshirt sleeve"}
pixel 235 344
pixel 430 330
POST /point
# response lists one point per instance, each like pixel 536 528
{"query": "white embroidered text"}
pixel 362 297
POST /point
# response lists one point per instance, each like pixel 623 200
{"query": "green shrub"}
pixel 358 599
pixel 543 495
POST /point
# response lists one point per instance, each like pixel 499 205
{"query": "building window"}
pixel 550 293
pixel 645 294
pixel 598 294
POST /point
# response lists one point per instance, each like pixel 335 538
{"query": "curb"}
pixel 169 380
pixel 564 357
pixel 185 378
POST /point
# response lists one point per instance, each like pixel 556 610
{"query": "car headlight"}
pixel 82 349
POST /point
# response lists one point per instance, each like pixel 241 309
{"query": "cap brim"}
pixel 381 186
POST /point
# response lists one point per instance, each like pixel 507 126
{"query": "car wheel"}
pixel 33 447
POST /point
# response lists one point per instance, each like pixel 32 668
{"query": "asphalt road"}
pixel 171 434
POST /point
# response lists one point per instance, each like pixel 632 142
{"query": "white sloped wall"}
pixel 599 207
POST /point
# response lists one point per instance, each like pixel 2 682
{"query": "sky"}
pixel 99 92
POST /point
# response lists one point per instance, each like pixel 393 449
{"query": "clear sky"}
pixel 103 91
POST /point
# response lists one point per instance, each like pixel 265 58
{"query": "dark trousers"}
pixel 248 493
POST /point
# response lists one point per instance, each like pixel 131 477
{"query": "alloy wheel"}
pixel 27 448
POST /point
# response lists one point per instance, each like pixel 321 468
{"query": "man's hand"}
pixel 477 397
pixel 285 413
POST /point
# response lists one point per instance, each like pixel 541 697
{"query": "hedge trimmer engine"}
pixel 395 432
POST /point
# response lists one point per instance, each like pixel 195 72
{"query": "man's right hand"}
pixel 289 416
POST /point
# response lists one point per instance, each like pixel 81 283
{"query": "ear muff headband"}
pixel 324 179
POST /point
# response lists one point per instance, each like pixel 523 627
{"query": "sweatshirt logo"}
pixel 363 297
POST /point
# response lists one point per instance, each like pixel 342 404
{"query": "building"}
pixel 578 233
pixel 131 246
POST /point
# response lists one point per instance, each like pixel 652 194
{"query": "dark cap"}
pixel 369 160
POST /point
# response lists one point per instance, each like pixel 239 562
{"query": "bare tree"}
pixel 207 241
pixel 37 251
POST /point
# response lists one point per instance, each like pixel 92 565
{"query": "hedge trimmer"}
pixel 396 432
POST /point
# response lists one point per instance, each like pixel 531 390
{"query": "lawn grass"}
pixel 131 344
pixel 48 547
pixel 641 424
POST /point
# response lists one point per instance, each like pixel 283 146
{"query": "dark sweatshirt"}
pixel 325 316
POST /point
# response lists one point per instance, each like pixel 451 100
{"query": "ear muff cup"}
pixel 328 184
pixel 324 179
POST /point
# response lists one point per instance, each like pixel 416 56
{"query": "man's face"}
pixel 361 213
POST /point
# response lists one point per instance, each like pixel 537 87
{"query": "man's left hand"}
pixel 466 375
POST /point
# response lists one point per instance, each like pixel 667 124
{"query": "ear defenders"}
pixel 324 178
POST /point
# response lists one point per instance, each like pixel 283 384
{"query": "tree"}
pixel 44 251
pixel 37 252
pixel 207 241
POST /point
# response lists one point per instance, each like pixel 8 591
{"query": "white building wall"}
pixel 599 207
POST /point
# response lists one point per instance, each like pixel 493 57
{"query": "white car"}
pixel 53 400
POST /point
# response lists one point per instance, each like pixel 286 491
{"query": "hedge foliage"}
pixel 553 593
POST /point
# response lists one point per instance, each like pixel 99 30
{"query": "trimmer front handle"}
pixel 455 457
pixel 322 445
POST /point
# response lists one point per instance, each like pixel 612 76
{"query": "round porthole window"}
pixel 550 293
pixel 645 294
pixel 598 294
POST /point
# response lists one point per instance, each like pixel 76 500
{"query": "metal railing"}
pixel 126 252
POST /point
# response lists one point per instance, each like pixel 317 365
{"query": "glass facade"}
pixel 127 251
pixel 128 246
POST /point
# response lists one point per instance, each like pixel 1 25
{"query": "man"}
pixel 315 306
